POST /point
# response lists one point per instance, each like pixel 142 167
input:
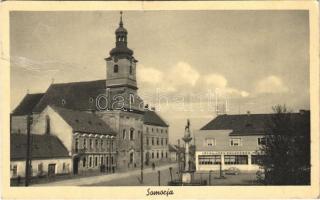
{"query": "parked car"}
pixel 232 171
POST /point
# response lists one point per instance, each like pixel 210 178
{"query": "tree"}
pixel 286 153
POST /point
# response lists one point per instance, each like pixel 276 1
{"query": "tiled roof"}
pixel 75 95
pixel 246 124
pixel 27 104
pixel 152 118
pixel 82 121
pixel 43 147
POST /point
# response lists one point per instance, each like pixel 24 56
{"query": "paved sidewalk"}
pixel 103 178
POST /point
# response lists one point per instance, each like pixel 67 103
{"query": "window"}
pixel 84 143
pixel 157 130
pixel 77 144
pixel 256 159
pixel 96 161
pixel 101 161
pixel 96 143
pixel 236 159
pixel 40 168
pixel 64 166
pixel 124 134
pixel 262 141
pixel 157 154
pixel 152 155
pixel 151 129
pixel 47 124
pixel 161 131
pixel 161 154
pixel 147 129
pixel 101 144
pixel 90 143
pixel 157 141
pixel 152 141
pixel 209 159
pixel 210 142
pixel 235 142
pixel 63 102
pixel 91 100
pixel 90 161
pixel 166 141
pixel 130 69
pixel 84 160
pixel 162 141
pixel 131 134
pixel 147 141
pixel 166 154
pixel 115 69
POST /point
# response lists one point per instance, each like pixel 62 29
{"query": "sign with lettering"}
pixel 226 152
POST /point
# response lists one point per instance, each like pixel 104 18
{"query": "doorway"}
pixel 51 169
pixel 75 165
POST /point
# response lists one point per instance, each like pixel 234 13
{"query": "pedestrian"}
pixel 153 166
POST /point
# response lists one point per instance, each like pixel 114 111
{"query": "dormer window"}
pixel 63 102
pixel 90 99
pixel 115 68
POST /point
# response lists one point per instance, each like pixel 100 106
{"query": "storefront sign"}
pixel 226 152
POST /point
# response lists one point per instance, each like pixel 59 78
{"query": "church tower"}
pixel 121 71
pixel 125 109
pixel 121 65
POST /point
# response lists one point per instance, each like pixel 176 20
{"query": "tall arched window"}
pixel 115 68
pixel 131 134
pixel 124 132
pixel 47 124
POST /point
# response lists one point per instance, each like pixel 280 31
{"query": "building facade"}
pixel 156 138
pixel 233 141
pixel 49 156
pixel 89 140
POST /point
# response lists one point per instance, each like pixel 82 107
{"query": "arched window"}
pixel 47 124
pixel 131 137
pixel 115 68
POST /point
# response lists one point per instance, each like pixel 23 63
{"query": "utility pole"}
pixel 141 180
pixel 28 160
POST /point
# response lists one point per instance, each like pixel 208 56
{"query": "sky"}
pixel 189 61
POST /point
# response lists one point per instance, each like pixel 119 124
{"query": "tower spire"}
pixel 121 23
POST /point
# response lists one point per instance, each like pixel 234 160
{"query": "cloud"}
pixel 182 74
pixel 216 80
pixel 270 85
pixel 220 84
pixel 149 75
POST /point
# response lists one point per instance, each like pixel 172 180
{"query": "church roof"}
pixel 247 124
pixel 152 118
pixel 27 104
pixel 43 147
pixel 74 95
pixel 84 122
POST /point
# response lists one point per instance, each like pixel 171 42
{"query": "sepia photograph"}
pixel 105 98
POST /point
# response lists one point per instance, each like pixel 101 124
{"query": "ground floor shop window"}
pixel 209 159
pixel 236 159
pixel 256 159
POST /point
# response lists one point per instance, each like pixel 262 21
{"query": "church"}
pixel 100 122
